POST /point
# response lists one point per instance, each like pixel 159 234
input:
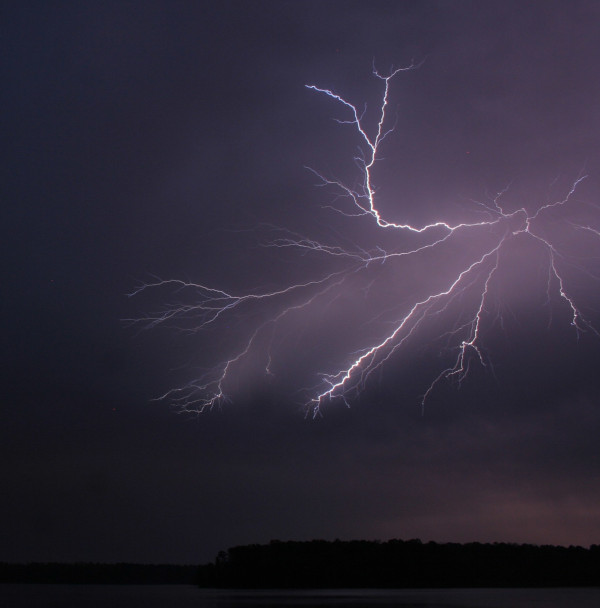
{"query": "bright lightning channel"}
pixel 502 228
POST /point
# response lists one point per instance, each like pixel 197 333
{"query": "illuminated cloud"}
pixel 445 282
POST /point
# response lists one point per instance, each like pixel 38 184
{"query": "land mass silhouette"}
pixel 402 564
pixel 345 564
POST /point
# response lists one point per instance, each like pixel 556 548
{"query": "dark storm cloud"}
pixel 141 137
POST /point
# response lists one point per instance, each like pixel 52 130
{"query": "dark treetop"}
pixel 397 563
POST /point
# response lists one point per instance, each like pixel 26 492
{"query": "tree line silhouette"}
pixel 401 564
pixel 345 564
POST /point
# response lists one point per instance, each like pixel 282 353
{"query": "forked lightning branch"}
pixel 210 307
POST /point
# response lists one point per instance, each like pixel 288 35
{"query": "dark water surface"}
pixel 182 596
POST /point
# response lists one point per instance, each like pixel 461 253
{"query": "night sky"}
pixel 159 139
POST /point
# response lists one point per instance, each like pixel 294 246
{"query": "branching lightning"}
pixel 474 278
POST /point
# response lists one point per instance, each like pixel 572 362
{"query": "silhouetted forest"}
pixel 398 564
pixel 345 564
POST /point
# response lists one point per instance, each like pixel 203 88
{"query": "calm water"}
pixel 181 596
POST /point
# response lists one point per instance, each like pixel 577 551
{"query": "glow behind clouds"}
pixel 463 303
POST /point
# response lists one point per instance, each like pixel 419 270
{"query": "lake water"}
pixel 182 596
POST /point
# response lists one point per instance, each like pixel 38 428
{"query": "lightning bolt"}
pixel 487 241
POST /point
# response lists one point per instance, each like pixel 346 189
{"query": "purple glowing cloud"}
pixel 452 296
